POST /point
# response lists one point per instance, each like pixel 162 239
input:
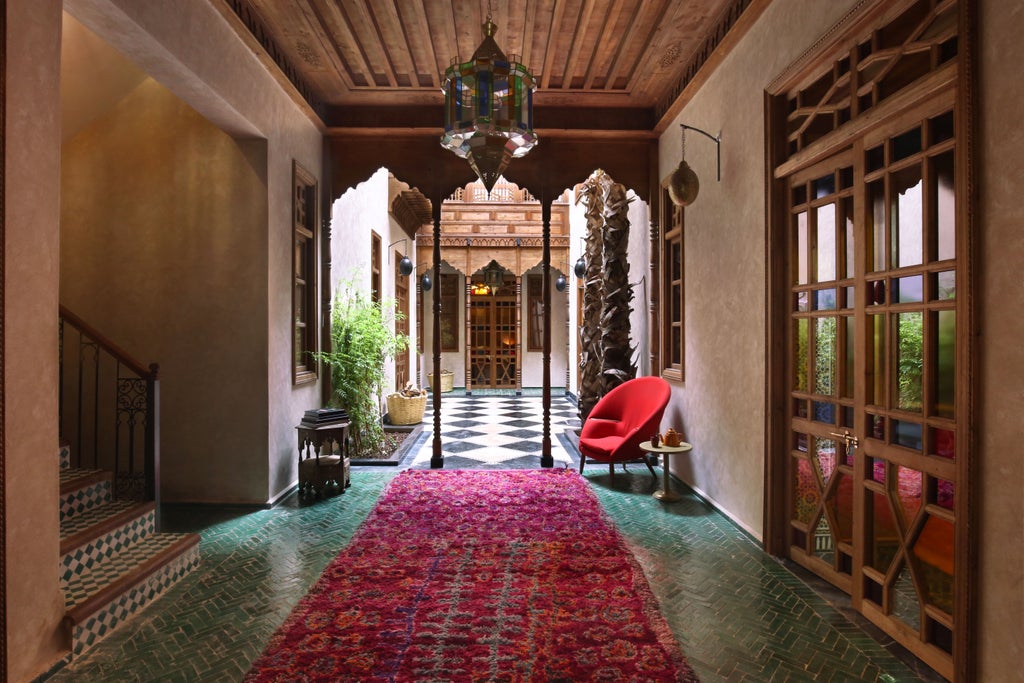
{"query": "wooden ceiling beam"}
pixel 605 37
pixel 416 29
pixel 341 32
pixel 618 62
pixel 579 41
pixel 545 117
pixel 551 48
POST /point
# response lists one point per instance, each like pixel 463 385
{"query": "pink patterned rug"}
pixel 479 576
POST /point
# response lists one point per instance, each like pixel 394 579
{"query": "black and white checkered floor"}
pixel 499 432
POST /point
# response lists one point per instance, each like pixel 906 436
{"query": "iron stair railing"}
pixel 109 409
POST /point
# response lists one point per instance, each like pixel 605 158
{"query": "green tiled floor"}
pixel 739 614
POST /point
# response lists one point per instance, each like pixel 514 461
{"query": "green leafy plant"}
pixel 362 339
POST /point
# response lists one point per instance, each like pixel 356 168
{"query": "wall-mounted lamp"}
pixel 581 264
pixel 684 185
pixel 405 265
pixel 560 282
pixel 425 282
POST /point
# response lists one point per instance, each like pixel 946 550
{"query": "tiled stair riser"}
pixel 64 454
pixel 112 615
pixel 81 559
pixel 83 499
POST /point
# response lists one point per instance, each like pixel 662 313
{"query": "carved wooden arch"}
pixel 415 156
pixel 557 163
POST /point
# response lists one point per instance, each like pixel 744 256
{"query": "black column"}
pixel 545 455
pixel 436 458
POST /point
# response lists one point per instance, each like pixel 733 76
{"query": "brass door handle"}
pixel 847 437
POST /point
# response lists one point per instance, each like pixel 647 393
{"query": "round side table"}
pixel 665 493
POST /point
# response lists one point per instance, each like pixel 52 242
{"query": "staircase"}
pixel 113 561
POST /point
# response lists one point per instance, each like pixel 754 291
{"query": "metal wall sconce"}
pixel 405 265
pixel 425 282
pixel 684 185
pixel 580 269
pixel 560 282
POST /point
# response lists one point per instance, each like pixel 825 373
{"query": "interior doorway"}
pixel 493 336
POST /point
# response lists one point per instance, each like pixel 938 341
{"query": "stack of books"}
pixel 324 416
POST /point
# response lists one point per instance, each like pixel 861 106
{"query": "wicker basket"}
pixel 447 381
pixel 404 410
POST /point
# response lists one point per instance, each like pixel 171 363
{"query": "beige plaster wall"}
pixel 453 361
pixel 35 603
pixel 533 361
pixel 88 93
pixel 163 249
pixel 1000 260
pixel 190 49
pixel 720 404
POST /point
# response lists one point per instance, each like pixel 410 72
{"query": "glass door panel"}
pixel 494 345
pixel 873 356
pixel 872 306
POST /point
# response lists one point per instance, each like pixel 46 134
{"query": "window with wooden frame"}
pixel 449 320
pixel 305 330
pixel 376 261
pixel 535 312
pixel 672 299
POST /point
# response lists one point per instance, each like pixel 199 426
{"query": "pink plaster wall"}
pixel 1000 260
pixel 35 603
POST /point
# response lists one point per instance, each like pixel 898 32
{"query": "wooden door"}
pixel 873 383
pixel 493 343
pixel 870 292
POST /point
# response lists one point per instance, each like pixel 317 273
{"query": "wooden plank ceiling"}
pixel 614 64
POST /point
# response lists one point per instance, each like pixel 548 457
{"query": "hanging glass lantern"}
pixel 488 109
pixel 494 276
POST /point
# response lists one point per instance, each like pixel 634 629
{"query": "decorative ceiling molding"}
pixel 727 31
pixel 254 29
pixel 425 239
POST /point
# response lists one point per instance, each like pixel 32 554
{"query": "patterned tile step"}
pixel 102 532
pixel 82 490
pixel 64 455
pixel 94 627
pixel 89 591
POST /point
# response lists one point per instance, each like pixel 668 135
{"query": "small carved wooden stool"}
pixel 318 472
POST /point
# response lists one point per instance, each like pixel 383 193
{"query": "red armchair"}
pixel 624 417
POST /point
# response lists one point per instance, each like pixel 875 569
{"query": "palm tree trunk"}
pixel 617 355
pixel 591 388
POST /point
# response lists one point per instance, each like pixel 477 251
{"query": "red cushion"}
pixel 601 448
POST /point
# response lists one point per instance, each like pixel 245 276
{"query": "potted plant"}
pixel 362 338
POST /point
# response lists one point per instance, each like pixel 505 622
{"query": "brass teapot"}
pixel 671 438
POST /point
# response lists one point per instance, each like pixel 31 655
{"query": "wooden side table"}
pixel 319 472
pixel 665 493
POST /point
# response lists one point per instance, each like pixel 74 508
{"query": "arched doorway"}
pixel 493 346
